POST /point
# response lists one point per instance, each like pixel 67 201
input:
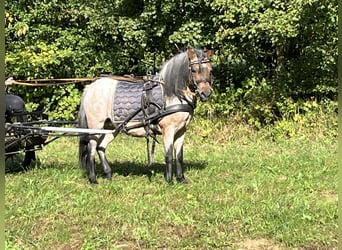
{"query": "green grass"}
pixel 247 190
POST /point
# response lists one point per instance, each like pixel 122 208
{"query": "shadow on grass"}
pixel 13 164
pixel 126 168
pixel 141 169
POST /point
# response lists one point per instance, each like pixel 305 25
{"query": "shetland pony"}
pixel 185 77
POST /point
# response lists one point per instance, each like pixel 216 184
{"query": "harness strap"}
pixel 153 119
pixel 123 125
pixel 177 108
pixel 170 110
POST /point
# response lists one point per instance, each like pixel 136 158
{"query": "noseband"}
pixel 192 80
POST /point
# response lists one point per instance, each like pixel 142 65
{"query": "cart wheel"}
pixel 18 162
pixel 13 163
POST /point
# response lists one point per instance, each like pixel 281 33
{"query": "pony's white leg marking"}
pixel 178 146
pixel 101 150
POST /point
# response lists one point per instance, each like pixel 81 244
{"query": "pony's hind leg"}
pixel 91 160
pixel 101 150
pixel 150 153
pixel 178 147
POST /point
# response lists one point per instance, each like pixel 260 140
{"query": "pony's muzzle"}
pixel 204 92
pixel 204 96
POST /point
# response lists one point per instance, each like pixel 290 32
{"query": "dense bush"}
pixel 256 104
pixel 269 55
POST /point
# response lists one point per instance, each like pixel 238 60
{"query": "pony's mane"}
pixel 175 73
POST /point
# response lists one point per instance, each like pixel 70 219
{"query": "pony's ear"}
pixel 208 53
pixel 191 54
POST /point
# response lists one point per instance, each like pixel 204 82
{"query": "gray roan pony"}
pixel 106 101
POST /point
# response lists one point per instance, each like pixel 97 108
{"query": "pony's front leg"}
pixel 168 138
pixel 178 145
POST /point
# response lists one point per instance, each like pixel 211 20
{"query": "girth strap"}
pixel 164 112
pixel 176 108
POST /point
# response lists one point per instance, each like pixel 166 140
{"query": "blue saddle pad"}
pixel 127 100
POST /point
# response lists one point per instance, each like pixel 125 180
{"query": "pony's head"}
pixel 188 71
pixel 200 72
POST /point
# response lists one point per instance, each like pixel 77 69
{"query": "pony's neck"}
pixel 186 97
pixel 175 74
pixel 191 99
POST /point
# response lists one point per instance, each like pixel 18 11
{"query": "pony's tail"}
pixel 83 152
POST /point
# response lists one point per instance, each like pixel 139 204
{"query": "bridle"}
pixel 193 84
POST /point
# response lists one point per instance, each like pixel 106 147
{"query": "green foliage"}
pixel 254 102
pixel 308 115
pixel 59 102
pixel 268 53
pixel 259 104
pixel 292 42
pixel 66 101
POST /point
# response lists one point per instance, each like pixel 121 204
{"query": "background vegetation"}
pixel 274 59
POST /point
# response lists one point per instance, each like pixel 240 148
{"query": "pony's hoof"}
pixel 93 182
pixel 169 182
pixel 108 177
pixel 168 179
pixel 182 180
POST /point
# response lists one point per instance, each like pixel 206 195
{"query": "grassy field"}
pixel 247 190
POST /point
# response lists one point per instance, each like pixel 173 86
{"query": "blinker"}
pixel 205 60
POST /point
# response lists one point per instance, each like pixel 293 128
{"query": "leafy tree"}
pixel 293 43
pixel 268 53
